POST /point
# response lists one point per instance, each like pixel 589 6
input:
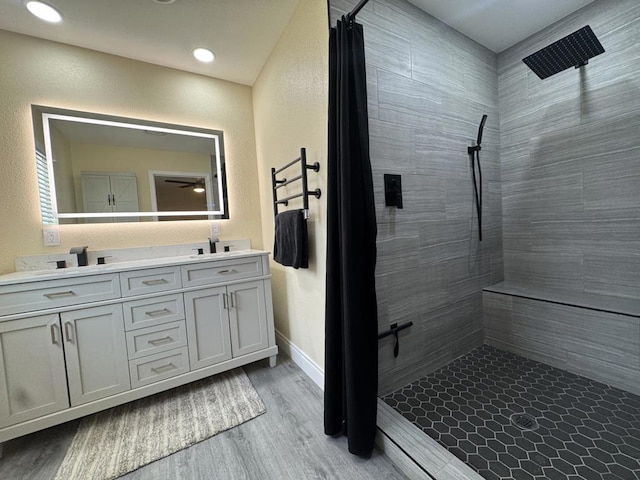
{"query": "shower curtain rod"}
pixel 352 15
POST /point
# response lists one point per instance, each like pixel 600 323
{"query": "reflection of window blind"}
pixel 46 207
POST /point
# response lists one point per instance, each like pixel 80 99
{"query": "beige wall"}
pixel 40 72
pixel 290 107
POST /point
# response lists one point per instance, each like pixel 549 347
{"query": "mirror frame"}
pixel 43 114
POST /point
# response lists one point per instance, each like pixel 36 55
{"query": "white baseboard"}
pixel 308 366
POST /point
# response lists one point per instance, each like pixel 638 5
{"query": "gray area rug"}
pixel 122 439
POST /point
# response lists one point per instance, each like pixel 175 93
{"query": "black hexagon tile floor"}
pixel 513 418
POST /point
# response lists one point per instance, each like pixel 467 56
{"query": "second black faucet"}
pixel 81 252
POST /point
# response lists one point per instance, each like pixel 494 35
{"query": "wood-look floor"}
pixel 287 442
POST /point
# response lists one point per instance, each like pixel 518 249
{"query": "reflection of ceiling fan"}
pixel 198 185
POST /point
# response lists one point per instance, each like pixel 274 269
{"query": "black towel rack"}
pixel 279 183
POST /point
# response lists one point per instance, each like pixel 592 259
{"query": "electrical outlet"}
pixel 51 236
pixel 215 229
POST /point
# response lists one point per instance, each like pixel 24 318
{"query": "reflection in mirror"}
pixel 97 168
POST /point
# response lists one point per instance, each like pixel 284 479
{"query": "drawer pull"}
pixel 160 341
pixel 228 270
pixel 158 281
pixel 155 313
pixel 164 368
pixel 54 295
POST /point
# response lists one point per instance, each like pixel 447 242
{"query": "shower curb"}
pixel 414 452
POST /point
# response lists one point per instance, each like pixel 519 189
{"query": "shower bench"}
pixel 596 336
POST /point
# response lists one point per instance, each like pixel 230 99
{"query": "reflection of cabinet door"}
pixel 207 326
pixel 96 349
pixel 96 193
pixel 32 375
pixel 247 317
pixel 124 193
pixel 110 192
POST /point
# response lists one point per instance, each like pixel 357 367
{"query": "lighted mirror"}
pixel 98 168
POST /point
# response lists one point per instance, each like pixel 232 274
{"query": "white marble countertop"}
pixel 52 274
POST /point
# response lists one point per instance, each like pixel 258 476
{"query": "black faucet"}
pixel 212 244
pixel 81 252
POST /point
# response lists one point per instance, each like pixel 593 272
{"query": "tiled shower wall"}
pixel 570 151
pixel 428 87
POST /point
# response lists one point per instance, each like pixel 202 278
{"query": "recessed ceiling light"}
pixel 43 11
pixel 204 55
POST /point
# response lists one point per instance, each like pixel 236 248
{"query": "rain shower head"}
pixel 574 50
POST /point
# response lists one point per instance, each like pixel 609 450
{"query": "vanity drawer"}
pixel 222 271
pixel 153 311
pixel 151 340
pixel 151 280
pixel 158 367
pixel 33 296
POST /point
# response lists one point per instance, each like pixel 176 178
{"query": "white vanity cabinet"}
pixel 77 342
pixel 247 317
pixel 226 322
pixel 33 381
pixel 208 326
pixel 96 352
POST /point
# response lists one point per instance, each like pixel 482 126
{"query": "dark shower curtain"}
pixel 351 319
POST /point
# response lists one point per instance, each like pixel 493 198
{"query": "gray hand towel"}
pixel 291 245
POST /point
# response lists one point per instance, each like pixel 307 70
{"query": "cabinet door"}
pixel 96 350
pixel 247 317
pixel 32 374
pixel 207 326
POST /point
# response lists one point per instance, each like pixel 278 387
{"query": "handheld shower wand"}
pixel 474 154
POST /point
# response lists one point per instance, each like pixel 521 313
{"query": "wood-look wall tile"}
pixel 512 89
pixel 411 293
pixel 540 195
pixel 418 26
pixel 560 270
pixel 467 275
pixel 480 81
pixel 387 50
pixel 609 373
pixel 497 314
pixel 391 146
pixel 516 234
pixel 408 102
pixel 609 337
pixel 618 98
pixel 497 267
pixel 586 235
pixel 372 91
pixel 423 198
pixel 588 141
pixel 612 273
pixel 450 323
pixel 398 248
pixel 444 240
pixel 441 155
pixel 529 348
